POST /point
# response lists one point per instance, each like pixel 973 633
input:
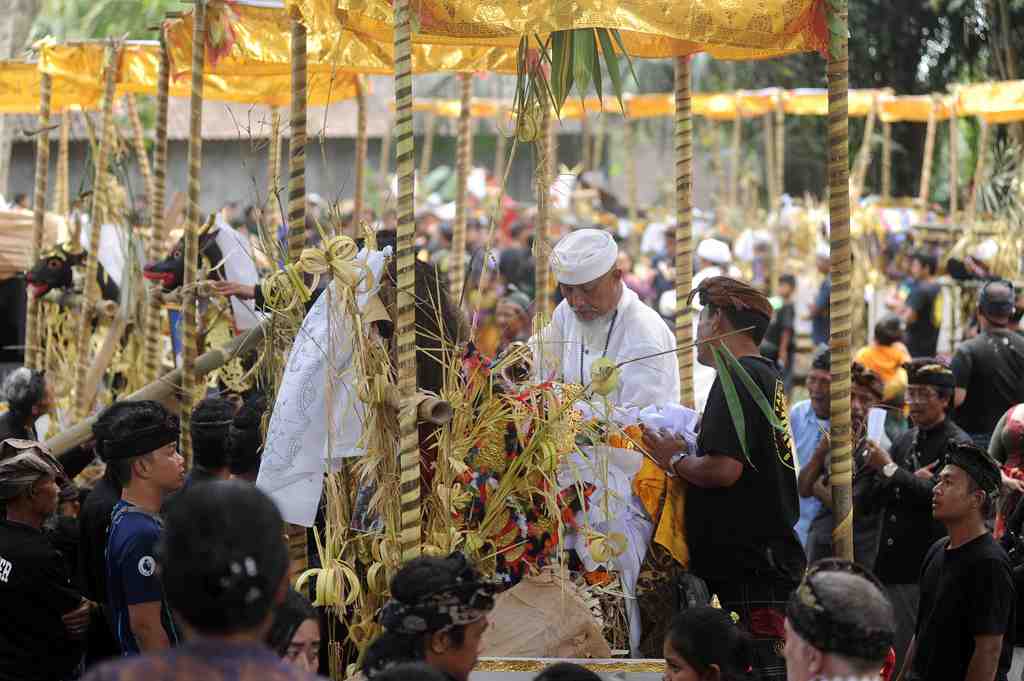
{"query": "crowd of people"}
pixel 159 572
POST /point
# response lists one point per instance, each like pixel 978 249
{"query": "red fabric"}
pixel 890 665
pixel 767 622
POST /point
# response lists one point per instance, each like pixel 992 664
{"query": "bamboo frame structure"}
pixel 463 163
pixel 840 304
pixel 297 145
pixel 979 172
pixel 684 228
pixel 541 264
pixel 97 215
pixel 886 160
pixel 273 162
pixel 410 533
pixel 361 147
pixel 188 287
pixel 33 324
pixel 954 163
pixel 139 142
pixel 157 228
pixel 864 154
pixel 61 195
pixel 929 153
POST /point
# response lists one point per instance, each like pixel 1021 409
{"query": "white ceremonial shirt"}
pixel 567 348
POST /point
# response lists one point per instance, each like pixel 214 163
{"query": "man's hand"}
pixel 1012 484
pixel 878 458
pixel 662 445
pixel 77 620
pixel 926 473
pixel 233 288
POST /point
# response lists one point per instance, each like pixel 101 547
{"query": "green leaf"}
pixel 598 77
pixel 612 60
pixel 753 389
pixel 561 67
pixel 732 400
pixel 584 60
pixel 629 60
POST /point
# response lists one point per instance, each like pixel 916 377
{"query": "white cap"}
pixel 714 251
pixel 823 250
pixel 583 255
pixel 985 251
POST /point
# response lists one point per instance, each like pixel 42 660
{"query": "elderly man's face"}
pixel 861 401
pixel 596 298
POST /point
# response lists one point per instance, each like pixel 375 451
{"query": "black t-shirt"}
pixel 746 531
pixel 785 318
pixel 991 368
pixel 965 592
pixel 36 592
pixel 93 522
pixel 923 333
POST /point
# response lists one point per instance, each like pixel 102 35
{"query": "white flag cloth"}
pixel 239 266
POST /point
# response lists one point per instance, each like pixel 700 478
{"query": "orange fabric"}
pixel 651 485
pixel 884 360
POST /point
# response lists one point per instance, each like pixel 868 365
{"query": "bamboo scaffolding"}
pixel 684 227
pixel 97 215
pixel 139 142
pixel 463 162
pixel 841 466
pixel 864 154
pixel 33 324
pixel 410 536
pixel 191 256
pixel 886 160
pixel 954 163
pixel 361 145
pixel 297 145
pixel 157 228
pixel 979 172
pixel 273 163
pixel 61 197
pixel 929 153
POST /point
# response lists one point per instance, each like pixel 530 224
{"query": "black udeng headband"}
pixel 141 441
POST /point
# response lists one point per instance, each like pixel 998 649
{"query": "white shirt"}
pixel 569 345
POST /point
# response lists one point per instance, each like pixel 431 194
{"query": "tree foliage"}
pixel 92 19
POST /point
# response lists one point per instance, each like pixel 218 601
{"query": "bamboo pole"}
pixel 361 142
pixel 139 142
pixel 886 160
pixel 96 218
pixel 273 164
pixel 541 264
pixel 841 467
pixel 635 235
pixel 188 287
pixel 166 387
pixel 410 536
pixel 426 154
pixel 979 172
pixel 499 147
pixel 768 134
pixel 780 149
pixel 463 161
pixel 157 228
pixel 384 163
pixel 33 323
pixel 297 145
pixel 734 174
pixel 954 162
pixel 684 228
pixel 929 154
pixel 61 197
pixel 864 153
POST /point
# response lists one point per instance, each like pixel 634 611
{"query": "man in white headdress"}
pixel 600 317
pixel 714 259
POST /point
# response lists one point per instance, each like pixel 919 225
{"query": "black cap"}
pixel 997 299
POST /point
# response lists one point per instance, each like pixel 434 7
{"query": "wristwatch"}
pixel 676 458
pixel 889 469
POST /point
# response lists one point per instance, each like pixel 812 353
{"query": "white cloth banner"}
pixel 239 266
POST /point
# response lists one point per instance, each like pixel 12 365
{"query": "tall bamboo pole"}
pixel 61 196
pixel 96 218
pixel 361 142
pixel 954 162
pixel 684 227
pixel 864 153
pixel 188 287
pixel 33 325
pixel 273 162
pixel 139 142
pixel 841 468
pixel 297 145
pixel 734 174
pixel 426 154
pixel 463 151
pixel 542 271
pixel 979 172
pixel 929 153
pixel 780 148
pixel 886 160
pixel 405 327
pixel 768 135
pixel 157 228
pixel 500 150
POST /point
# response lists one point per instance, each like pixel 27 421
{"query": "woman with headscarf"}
pixel 45 618
pixel 437 614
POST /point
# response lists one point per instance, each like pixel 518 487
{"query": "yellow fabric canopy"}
pixel 1000 102
pixel 19 90
pixel 725 29
pixel 913 108
pixel 259 44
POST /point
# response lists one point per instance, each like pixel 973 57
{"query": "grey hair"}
pixel 23 388
pixel 20 472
